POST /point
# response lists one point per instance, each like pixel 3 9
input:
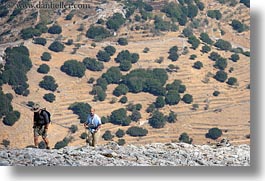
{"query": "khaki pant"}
pixel 92 138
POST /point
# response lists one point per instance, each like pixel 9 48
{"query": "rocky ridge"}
pixel 111 154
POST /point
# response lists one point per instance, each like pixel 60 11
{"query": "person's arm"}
pixel 34 120
pixel 87 121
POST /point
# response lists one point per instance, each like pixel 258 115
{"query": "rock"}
pixel 111 154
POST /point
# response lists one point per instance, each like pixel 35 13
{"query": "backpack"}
pixel 39 118
pixel 48 113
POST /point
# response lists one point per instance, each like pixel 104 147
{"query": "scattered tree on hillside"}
pixel 136 131
pixel 73 68
pixel 214 133
pixel 56 46
pixel 48 83
pixel 184 137
pixel 157 120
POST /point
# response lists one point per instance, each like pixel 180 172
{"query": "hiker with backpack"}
pixel 41 122
pixel 93 124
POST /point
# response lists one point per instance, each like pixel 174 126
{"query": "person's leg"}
pixel 36 141
pixel 45 139
pixel 89 138
pixel 96 138
pixel 36 137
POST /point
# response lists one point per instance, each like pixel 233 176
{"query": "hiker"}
pixel 41 124
pixel 93 124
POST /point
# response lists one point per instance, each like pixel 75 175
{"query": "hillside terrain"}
pixel 229 111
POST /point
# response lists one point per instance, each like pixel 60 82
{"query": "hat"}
pixel 35 107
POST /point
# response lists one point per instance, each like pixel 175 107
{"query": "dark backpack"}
pixel 39 118
pixel 48 113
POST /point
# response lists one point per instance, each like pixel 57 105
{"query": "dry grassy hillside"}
pixel 230 111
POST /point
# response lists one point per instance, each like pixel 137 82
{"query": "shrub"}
pixel 92 64
pixel 206 39
pixel 46 56
pixel 214 133
pixel 115 21
pixel 11 118
pixel 193 57
pixel 40 41
pixel 48 83
pixel 107 136
pixel 123 99
pixel 91 80
pixel 223 45
pixel 69 16
pixel 136 131
pixel 30 32
pixel 160 102
pixel 221 63
pixel 110 50
pixel 69 42
pixel 113 75
pixel 3 12
pixel 216 93
pixel 49 97
pixel 123 41
pixel 104 120
pixel 63 143
pixel 238 26
pixel 187 98
pixel 194 42
pixel 135 116
pixel 172 117
pixel 206 49
pixel 81 109
pixel 99 93
pixel 157 120
pixel 138 107
pixel 56 46
pixel 97 32
pixel 126 55
pixel 102 82
pixel 5 142
pixel 215 14
pixel 125 65
pixel 184 137
pixel 43 69
pixel 55 29
pixel 121 142
pixel 83 136
pixel 150 108
pixel 73 128
pixel 172 97
pixel 232 81
pixel 198 65
pixel 120 133
pixel 173 56
pixel 187 32
pixel 103 56
pixel 119 117
pixel 221 76
pixel 234 57
pixel 121 89
pixel 73 68
pixel 246 3
pixel 214 56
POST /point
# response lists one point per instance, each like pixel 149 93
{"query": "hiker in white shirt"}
pixel 93 124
